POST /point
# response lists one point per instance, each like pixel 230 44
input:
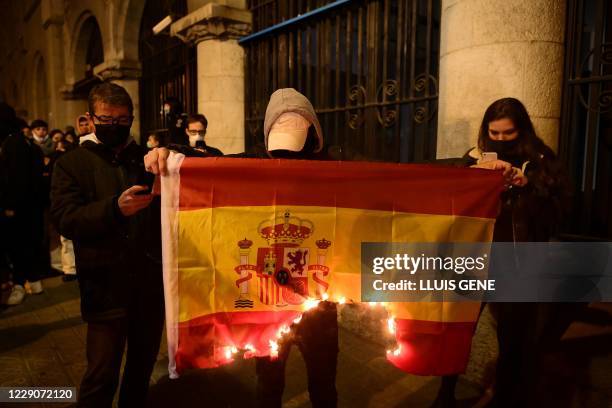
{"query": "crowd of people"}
pixel 95 186
pixel 28 155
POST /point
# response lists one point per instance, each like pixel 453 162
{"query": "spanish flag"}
pixel 248 244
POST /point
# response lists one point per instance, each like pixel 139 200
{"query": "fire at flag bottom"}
pixel 249 245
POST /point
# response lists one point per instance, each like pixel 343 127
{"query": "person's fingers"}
pixel 134 189
pixel 162 161
pixel 137 199
pixel 150 161
pixel 156 190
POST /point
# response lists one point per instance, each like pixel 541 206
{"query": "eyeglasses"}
pixel 110 120
pixel 196 132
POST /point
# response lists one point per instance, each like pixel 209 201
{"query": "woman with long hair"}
pixel 534 205
pixel 532 208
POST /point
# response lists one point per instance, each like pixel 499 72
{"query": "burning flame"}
pixel 250 348
pixel 273 349
pixel 395 352
pixel 282 331
pixel 310 304
pixel 342 300
pixel 391 324
pixel 228 353
pixel 325 296
pixel 297 319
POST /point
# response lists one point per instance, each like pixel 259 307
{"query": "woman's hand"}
pixel 519 179
pixel 508 170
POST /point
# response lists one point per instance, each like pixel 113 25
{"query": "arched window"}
pixel 41 95
pixel 89 53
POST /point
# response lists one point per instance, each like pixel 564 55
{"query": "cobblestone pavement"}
pixel 42 343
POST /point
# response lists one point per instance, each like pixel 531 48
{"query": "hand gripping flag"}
pixel 248 243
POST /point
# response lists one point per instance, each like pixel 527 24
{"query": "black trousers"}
pixel 525 331
pixel 106 341
pixel 26 245
pixel 316 336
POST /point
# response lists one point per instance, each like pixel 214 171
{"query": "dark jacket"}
pixel 21 174
pixel 114 254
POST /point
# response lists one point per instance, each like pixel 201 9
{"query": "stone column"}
pixel 52 23
pixel 215 29
pixel 126 74
pixel 491 49
pixel 73 105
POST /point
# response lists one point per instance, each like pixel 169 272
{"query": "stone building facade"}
pixel 489 49
pixel 45 46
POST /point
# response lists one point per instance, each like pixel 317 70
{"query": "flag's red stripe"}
pixel 201 339
pixel 433 348
pixel 411 188
pixel 427 347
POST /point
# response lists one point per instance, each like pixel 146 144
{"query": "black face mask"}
pixel 503 148
pixel 112 136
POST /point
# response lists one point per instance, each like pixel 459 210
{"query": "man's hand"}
pixel 9 213
pixel 509 172
pixel 130 202
pixel 156 161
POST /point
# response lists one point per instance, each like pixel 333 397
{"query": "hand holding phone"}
pixel 488 157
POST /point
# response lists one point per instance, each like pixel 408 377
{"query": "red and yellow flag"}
pixel 249 243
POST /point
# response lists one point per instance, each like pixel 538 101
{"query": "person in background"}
pixel 9 125
pixel 23 206
pixel 71 140
pixel 196 133
pixel 153 141
pixel 41 136
pixel 56 135
pixel 67 262
pixel 175 120
pixel 70 136
pixel 82 126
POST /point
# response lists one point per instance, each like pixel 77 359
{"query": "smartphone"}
pixel 488 157
pixel 145 179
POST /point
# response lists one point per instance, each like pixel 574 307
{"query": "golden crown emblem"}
pixel 285 230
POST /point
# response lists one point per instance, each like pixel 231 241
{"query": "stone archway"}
pixel 88 53
pixel 40 89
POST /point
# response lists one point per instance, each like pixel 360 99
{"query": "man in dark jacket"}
pixel 100 202
pixel 23 205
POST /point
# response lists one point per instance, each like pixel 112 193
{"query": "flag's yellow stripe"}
pixel 208 253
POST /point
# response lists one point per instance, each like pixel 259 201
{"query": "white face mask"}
pixel 194 139
pixel 41 139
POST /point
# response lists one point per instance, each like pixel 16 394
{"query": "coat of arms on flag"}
pixel 284 268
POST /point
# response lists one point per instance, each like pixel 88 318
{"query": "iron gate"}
pixel 168 68
pixel 586 136
pixel 370 68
